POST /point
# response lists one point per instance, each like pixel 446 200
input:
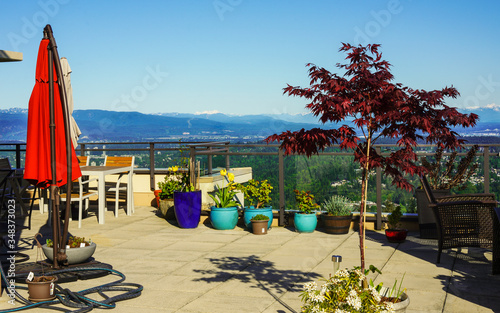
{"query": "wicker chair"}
pixel 467 220
pixel 13 187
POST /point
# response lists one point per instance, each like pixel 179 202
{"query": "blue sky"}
pixel 236 56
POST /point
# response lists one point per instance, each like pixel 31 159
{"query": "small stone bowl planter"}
pixel 75 255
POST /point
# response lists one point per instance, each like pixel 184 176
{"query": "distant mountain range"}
pixel 101 125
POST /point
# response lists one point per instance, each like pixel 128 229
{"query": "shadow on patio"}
pixel 464 274
pixel 258 274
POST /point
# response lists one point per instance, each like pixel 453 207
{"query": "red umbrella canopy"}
pixel 38 156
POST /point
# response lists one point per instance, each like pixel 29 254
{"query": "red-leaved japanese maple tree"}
pixel 379 109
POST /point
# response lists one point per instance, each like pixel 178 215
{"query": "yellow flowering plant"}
pixel 172 182
pixel 224 197
pixel 175 180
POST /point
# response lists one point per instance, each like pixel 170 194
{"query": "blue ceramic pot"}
pixel 187 206
pixel 305 223
pixel 250 212
pixel 224 218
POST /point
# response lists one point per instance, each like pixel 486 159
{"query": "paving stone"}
pixel 206 270
pixel 471 304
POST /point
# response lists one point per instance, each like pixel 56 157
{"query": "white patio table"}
pixel 101 172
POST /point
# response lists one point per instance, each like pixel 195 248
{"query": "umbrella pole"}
pixel 67 130
pixel 54 195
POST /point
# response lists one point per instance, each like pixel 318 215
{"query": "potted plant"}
pixel 306 220
pixel 224 214
pixel 380 109
pixel 40 288
pixel 259 224
pixel 187 200
pixel 345 291
pixel 394 233
pixel 78 249
pixel 443 173
pixel 257 196
pixel 338 216
pixel 171 183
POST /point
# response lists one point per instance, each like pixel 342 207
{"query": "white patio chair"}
pixel 82 192
pixel 119 186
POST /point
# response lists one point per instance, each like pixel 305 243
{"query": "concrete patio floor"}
pixel 208 270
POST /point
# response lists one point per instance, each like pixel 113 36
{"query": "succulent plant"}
pixel 337 206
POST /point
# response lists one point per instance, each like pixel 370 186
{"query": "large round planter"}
pixel 305 223
pixel 337 224
pixel 43 290
pixel 259 227
pixel 250 212
pixel 75 255
pixel 426 219
pixel 396 235
pixel 187 206
pixel 224 218
pixel 167 208
pixel 399 307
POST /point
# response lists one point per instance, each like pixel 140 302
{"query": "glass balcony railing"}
pixel 328 173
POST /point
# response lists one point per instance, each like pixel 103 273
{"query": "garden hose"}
pixel 79 300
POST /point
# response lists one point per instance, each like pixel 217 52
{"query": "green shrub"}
pixel 260 217
pixel 395 216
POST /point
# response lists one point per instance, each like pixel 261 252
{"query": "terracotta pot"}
pixel 157 198
pixel 259 227
pixel 250 212
pixel 42 290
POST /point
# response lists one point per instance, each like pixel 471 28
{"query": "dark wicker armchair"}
pixel 467 220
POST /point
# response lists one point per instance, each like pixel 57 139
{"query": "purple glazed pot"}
pixel 187 207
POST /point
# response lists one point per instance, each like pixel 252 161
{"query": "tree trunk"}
pixel 364 191
pixel 361 221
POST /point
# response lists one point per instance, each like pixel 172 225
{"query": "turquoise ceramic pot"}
pixel 224 218
pixel 305 223
pixel 250 212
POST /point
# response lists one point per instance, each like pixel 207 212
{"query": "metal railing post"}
pixel 18 155
pixel 486 169
pixel 281 184
pixel 378 179
pixel 227 159
pixel 209 162
pixel 152 185
pixel 82 149
pixel 192 164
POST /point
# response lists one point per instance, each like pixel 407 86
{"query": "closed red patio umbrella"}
pixel 38 153
pixel 50 157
